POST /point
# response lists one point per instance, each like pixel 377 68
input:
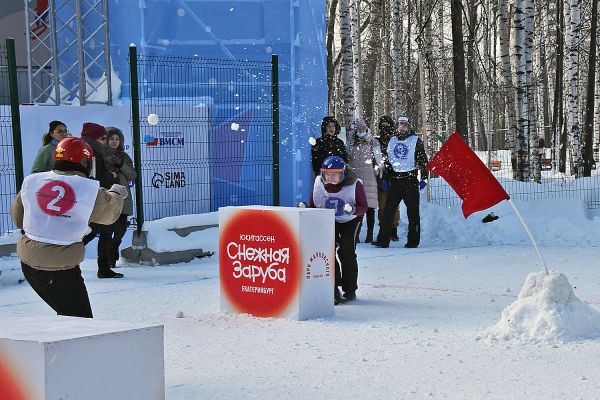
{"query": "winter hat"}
pixel 93 131
pixel 360 122
pixel 404 118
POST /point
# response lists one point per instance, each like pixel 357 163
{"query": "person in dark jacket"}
pixel 405 158
pixel 44 159
pixel 118 161
pixel 386 131
pixel 338 188
pixel 328 144
pixel 96 136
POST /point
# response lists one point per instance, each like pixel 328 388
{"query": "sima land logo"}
pixel 165 139
pixel 169 179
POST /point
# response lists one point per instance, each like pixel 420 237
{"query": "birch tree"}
pixel 372 56
pixel 347 80
pixel 573 25
pixel 589 108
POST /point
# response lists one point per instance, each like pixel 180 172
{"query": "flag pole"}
pixel 530 235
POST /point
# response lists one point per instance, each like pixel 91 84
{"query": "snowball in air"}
pixel 152 119
pixel 235 126
pixel 312 141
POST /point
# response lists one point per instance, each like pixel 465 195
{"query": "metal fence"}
pixel 553 183
pixel 205 132
pixel 7 164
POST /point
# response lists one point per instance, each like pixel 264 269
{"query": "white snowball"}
pixel 235 126
pixel 152 119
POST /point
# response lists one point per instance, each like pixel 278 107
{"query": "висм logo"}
pixel 165 139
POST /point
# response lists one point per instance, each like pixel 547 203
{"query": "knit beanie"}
pixel 93 131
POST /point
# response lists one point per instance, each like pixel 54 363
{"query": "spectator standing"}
pixel 51 248
pixel 328 144
pixel 406 156
pixel 118 161
pixel 338 188
pixel 367 162
pixel 386 131
pixel 96 136
pixel 44 159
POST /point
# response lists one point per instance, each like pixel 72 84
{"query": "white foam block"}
pixel 53 357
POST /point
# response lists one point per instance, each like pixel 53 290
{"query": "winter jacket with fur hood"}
pixel 327 145
pixel 53 257
pixel 118 161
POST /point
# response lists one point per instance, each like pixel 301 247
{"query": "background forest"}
pixel 516 75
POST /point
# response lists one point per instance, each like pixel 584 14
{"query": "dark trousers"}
pixel 346 269
pixel 64 291
pixel 110 237
pixel 370 223
pixel 402 189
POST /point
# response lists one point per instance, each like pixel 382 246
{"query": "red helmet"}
pixel 73 149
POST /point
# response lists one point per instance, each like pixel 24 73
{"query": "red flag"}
pixel 467 175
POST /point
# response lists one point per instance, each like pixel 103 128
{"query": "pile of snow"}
pixel 162 235
pixel 546 310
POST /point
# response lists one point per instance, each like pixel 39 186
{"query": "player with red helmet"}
pixel 53 209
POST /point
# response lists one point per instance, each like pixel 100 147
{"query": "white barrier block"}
pixel 52 357
pixel 277 261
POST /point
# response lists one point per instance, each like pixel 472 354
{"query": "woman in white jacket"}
pixel 364 152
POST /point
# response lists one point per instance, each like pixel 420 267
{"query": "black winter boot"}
pixel 394 236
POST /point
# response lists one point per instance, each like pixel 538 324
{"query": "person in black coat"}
pixel 96 136
pixel 328 144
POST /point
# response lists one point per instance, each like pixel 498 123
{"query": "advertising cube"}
pixel 277 261
pixel 51 358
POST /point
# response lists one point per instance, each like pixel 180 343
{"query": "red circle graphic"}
pixel 259 263
pixel 56 198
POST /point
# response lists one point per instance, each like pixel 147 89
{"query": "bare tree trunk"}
pixel 559 146
pixel 357 55
pixel 591 85
pixel 330 56
pixel 572 45
pixel 520 66
pixel 370 65
pixel 471 64
pixel 347 81
pixel 399 99
pixel 458 51
pixel 507 84
pixel 534 166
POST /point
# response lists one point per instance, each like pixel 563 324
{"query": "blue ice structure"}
pixel 239 30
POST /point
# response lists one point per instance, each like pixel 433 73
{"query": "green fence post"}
pixel 14 111
pixel 135 121
pixel 275 90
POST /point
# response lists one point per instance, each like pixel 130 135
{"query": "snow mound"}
pixel 546 310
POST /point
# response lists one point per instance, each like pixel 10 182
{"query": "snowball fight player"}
pixel 405 156
pixel 328 144
pixel 386 131
pixel 338 188
pixel 54 209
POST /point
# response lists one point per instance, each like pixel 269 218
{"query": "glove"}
pixel 422 184
pixel 349 209
pixel 120 190
pixel 301 204
pixel 384 185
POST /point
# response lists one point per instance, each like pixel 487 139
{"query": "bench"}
pixel 496 165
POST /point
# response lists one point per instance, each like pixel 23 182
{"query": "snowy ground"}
pixel 416 330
